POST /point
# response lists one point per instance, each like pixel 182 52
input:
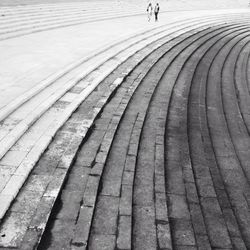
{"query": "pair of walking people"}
pixel 150 10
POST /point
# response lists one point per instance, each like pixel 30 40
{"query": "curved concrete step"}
pixel 24 111
pixel 48 11
pixel 21 119
pixel 209 181
pixel 225 149
pixel 34 142
pixel 183 216
pixel 63 20
pixel 135 123
pixel 12 106
pixel 202 211
pixel 37 19
pixel 127 118
pixel 40 19
pixel 37 8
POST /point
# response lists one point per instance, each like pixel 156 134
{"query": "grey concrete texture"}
pixel 141 145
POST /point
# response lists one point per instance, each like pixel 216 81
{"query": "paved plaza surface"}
pixel 119 133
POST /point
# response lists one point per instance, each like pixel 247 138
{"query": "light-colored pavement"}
pixel 170 4
pixel 27 60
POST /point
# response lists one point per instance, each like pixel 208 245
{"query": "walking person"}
pixel 156 11
pixel 149 11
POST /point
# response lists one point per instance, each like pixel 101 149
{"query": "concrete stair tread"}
pixel 60 182
pixel 36 21
pixel 99 239
pixel 30 118
pixel 36 150
pixel 132 117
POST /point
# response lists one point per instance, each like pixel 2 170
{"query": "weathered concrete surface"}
pixel 155 157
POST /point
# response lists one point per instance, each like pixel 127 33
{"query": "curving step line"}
pixel 235 157
pixel 220 189
pixel 34 14
pixel 62 19
pixel 12 133
pixel 27 10
pixel 29 160
pixel 238 132
pixel 93 247
pixel 247 75
pixel 51 10
pixel 225 242
pixel 107 10
pixel 209 183
pixel 97 227
pixel 145 175
pixel 206 184
pixel 64 23
pixel 15 10
pixel 25 97
pixel 222 146
pixel 10 33
pixel 241 85
pixel 113 171
pixel 51 18
pixel 181 187
pixel 139 221
pixel 84 214
pixel 12 106
pixel 59 24
pixel 84 210
pixel 179 226
pixel 22 99
pixel 57 8
pixel 50 13
pixel 238 128
pixel 120 45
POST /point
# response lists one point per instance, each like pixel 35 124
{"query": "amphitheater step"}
pixel 27 131
pixel 147 149
pixel 17 21
pixel 132 206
